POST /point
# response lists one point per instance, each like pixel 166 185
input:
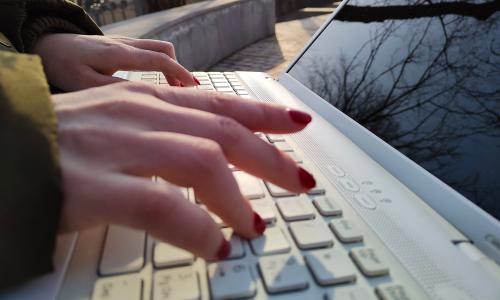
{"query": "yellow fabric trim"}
pixel 24 84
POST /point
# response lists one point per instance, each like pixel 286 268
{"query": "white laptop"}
pixel 404 144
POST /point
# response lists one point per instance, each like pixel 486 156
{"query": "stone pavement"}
pixel 272 55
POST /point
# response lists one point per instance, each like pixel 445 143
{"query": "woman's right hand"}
pixel 112 139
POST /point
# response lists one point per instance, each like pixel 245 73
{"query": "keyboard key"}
pixel 311 234
pixel 176 284
pixel 326 206
pixel 265 209
pixel 224 89
pixel 317 190
pixel 123 251
pixel 369 262
pixel 241 92
pixel 237 249
pixel 275 138
pixel 277 191
pixel 230 280
pixel 393 291
pixel 296 208
pixel 206 87
pixel 217 81
pixel 273 241
pixel 350 293
pixel 118 288
pixel 330 267
pixel 283 273
pixel 250 186
pixel 346 231
pixel 283 146
pixel 295 157
pixel 166 255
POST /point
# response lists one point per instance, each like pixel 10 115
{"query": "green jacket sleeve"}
pixel 23 21
pixel 30 180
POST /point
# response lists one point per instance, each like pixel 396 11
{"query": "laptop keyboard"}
pixel 308 244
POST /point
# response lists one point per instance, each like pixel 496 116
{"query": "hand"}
pixel 74 62
pixel 112 139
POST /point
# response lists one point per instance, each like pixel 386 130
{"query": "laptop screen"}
pixel 423 76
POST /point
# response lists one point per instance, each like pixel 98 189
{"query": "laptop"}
pixel 405 147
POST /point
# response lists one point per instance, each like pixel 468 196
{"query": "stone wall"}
pixel 205 32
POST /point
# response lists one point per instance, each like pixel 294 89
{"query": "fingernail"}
pixel 224 250
pixel 306 179
pixel 182 85
pixel 258 224
pixel 299 117
pixel 196 80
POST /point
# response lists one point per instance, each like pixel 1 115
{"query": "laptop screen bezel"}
pixel 485 232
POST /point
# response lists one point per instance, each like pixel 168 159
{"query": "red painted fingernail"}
pixel 258 224
pixel 196 80
pixel 299 117
pixel 306 179
pixel 224 250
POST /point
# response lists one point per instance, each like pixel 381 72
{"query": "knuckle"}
pixel 139 87
pixel 229 130
pixel 209 157
pixel 156 207
pixel 116 50
pixel 169 46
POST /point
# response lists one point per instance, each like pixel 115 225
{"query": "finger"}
pixel 161 210
pixel 255 115
pixel 130 58
pixel 90 78
pixel 239 145
pixel 154 45
pixel 158 46
pixel 182 160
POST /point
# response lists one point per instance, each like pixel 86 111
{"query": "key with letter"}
pixel 346 231
pixel 296 208
pixel 127 287
pixel 271 242
pixel 331 266
pixel 326 206
pixel 230 280
pixel 166 255
pixel 123 250
pixel 311 234
pixel 369 262
pixel 250 186
pixel 265 209
pixel 283 273
pixel 176 284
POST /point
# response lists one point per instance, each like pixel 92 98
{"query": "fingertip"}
pixel 196 81
pixel 224 250
pixel 258 224
pixel 306 179
pixel 299 117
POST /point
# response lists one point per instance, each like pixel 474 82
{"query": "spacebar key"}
pixel 123 251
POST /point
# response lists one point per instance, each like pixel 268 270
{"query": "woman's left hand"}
pixel 74 62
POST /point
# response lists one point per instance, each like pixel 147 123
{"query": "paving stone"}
pixel 273 54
